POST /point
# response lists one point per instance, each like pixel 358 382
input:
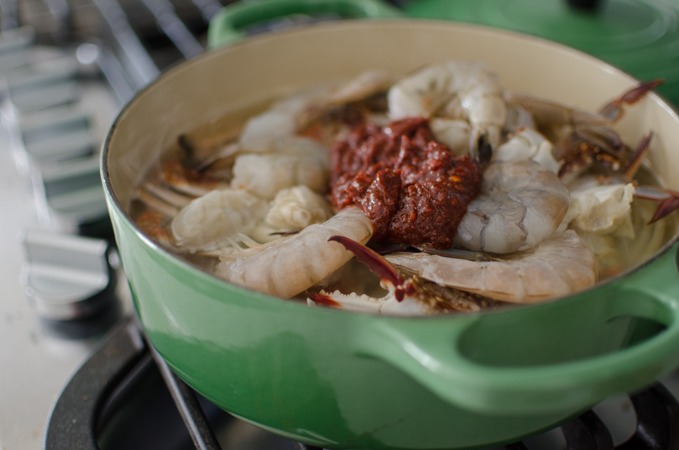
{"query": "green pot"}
pixel 344 380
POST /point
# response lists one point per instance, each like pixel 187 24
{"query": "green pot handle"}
pixel 225 26
pixel 431 351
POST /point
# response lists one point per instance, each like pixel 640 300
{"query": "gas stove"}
pixel 67 68
pixel 75 369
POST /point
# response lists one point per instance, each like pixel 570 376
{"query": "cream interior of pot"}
pixel 232 79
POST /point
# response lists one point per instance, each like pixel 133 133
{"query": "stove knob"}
pixel 70 197
pixel 43 85
pixel 67 277
pixel 13 47
pixel 56 134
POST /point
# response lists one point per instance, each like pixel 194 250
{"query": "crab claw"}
pixel 380 266
pixel 614 110
pixel 408 295
pixel 668 200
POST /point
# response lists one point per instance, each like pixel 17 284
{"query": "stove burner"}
pixel 98 390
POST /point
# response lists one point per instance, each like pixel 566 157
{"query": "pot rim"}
pixel 349 23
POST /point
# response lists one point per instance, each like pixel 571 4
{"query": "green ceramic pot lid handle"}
pixel 560 357
pixel 225 27
pixel 639 36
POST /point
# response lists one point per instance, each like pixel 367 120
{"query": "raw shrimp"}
pixel 290 265
pixel 213 220
pixel 280 120
pixel 466 90
pixel 454 133
pixel 187 181
pixel 297 208
pixel 334 115
pixel 220 219
pixel 296 161
pixel 284 144
pixel 560 265
pixel 291 210
pixel 361 87
pixel 528 144
pixel 290 115
pixel 521 204
pixel 518 118
pixel 408 294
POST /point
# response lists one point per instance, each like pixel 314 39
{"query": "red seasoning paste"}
pixel 413 189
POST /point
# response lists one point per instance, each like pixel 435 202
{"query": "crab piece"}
pixel 667 199
pixel 155 224
pixel 585 154
pixel 408 294
pixel 584 139
pixel 180 179
pixel 190 170
pixel 189 181
pixel 200 161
